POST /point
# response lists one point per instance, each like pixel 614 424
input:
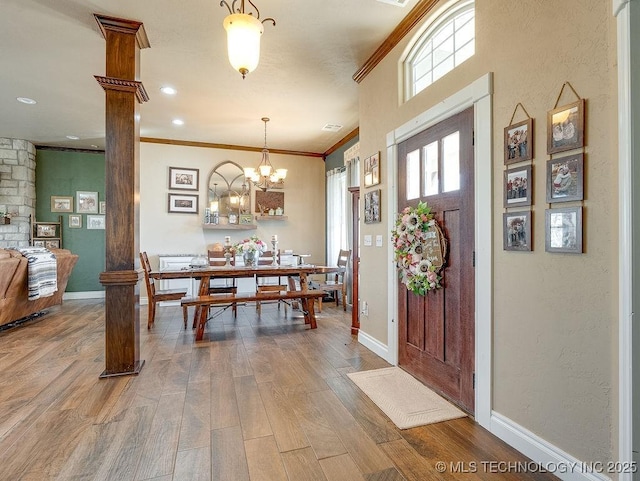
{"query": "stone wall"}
pixel 17 190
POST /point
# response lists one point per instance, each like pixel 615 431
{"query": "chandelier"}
pixel 243 36
pixel 265 176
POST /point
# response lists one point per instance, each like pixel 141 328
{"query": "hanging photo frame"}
pixel 518 139
pixel 565 125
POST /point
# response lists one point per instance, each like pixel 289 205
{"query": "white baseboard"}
pixel 68 296
pixel 374 345
pixel 561 464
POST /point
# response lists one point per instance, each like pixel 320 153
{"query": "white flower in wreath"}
pixel 416 252
pixel 412 221
pixel 424 267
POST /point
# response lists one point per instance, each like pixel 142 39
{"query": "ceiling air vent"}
pixel 397 3
pixel 331 127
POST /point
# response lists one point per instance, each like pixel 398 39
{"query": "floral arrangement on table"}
pixel 413 226
pixel 252 244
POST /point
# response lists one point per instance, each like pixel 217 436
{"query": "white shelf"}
pixel 229 226
pixel 261 217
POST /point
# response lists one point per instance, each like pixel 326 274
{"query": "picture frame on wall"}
pixel 183 203
pixel 96 222
pixel 518 142
pixel 565 178
pixel 563 230
pixel 516 227
pixel 86 202
pixel 60 203
pixel 46 230
pixel 372 205
pixel 565 127
pixel 75 221
pixel 103 207
pixel 183 179
pixel 517 186
pixel 372 170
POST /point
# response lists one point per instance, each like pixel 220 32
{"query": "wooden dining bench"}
pixel 204 302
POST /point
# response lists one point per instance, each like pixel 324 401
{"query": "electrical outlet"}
pixel 364 308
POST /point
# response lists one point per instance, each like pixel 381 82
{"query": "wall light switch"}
pixel 379 241
pixel 367 240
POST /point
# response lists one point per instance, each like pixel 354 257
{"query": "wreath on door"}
pixel 419 249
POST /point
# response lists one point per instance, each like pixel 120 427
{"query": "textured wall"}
pixel 17 190
pixel 554 320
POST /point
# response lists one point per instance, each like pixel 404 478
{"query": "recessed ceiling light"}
pixel 177 122
pixel 73 137
pixel 26 100
pixel 94 146
pixel 168 90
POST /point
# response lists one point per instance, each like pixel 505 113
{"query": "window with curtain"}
pixel 446 43
pixel 337 214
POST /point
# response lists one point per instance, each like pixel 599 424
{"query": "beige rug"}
pixel 403 398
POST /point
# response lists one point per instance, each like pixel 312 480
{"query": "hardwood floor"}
pixel 257 400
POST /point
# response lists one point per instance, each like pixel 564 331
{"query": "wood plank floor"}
pixel 258 399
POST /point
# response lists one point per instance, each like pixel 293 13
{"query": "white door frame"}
pixel 621 10
pixel 478 94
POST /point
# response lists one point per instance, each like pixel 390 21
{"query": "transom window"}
pixel 446 43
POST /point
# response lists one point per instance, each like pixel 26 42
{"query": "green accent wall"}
pixel 336 159
pixel 64 173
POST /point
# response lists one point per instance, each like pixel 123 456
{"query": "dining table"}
pixel 206 274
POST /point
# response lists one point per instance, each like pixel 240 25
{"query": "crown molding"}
pixel 417 13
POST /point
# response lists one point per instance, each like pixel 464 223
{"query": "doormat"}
pixel 403 398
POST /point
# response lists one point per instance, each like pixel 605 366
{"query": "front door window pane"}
pixel 413 175
pixel 451 162
pixel 430 169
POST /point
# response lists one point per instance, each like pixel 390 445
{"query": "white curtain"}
pixel 337 214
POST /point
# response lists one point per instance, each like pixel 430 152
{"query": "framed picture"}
pixel 86 202
pixel 183 179
pixel 565 178
pixel 246 219
pixel 52 244
pixel 565 127
pixel 38 243
pixel 372 170
pixel 563 230
pixel 45 230
pixel 103 207
pixel 518 142
pixel 517 182
pixel 61 203
pixel 516 227
pixel 372 206
pixel 95 222
pixel 75 221
pixel 183 203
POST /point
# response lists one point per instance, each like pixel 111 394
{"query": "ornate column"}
pixel 123 93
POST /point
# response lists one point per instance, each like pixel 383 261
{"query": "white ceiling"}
pixel 50 51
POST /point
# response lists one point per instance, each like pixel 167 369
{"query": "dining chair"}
pixel 158 295
pixel 337 281
pixel 263 285
pixel 222 286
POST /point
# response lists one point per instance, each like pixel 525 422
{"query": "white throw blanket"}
pixel 42 272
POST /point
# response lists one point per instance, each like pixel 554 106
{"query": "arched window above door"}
pixel 446 42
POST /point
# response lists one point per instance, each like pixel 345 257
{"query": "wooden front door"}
pixel 436 331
